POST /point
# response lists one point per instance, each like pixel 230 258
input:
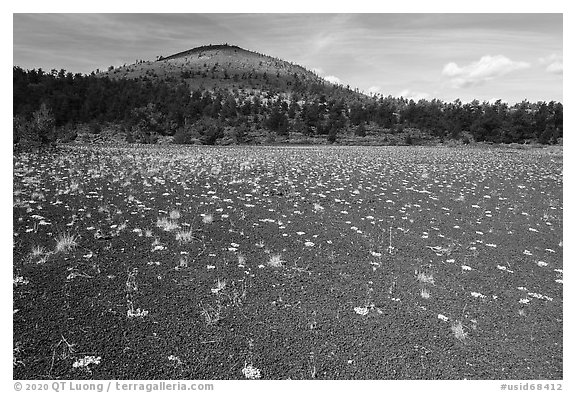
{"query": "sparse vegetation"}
pixel 458 330
pixel 185 236
pixel 295 261
pixel 425 278
pixel 275 261
pixel 66 242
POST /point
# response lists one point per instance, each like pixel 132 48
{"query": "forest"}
pixel 50 107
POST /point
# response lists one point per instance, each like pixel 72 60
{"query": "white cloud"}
pixel 553 63
pixel 555 68
pixel 318 71
pixel 481 71
pixel 413 95
pixel 494 99
pixel 374 90
pixel 333 79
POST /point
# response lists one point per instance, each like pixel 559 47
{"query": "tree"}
pixel 332 135
pixel 182 136
pixel 357 114
pixel 147 121
pixel 229 109
pixel 43 125
pixel 22 133
pixel 360 130
pixel 240 133
pixel 277 121
pixel 209 130
pixel 39 132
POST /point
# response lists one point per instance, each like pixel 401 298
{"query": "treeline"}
pixel 51 106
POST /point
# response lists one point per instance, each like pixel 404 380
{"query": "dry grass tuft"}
pixel 166 224
pixel 275 261
pixel 185 236
pixel 425 293
pixel 66 242
pixel 458 330
pixel 211 315
pixel 174 214
pixel 425 278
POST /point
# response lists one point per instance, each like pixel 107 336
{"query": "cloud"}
pixel 333 79
pixel 553 63
pixel 555 68
pixel 493 100
pixel 317 70
pixel 413 95
pixel 481 71
pixel 374 90
pixel 329 78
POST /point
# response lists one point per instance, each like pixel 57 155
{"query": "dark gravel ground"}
pixel 298 321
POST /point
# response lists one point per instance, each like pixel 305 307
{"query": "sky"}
pixel 415 55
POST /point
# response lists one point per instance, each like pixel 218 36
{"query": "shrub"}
pixel 38 132
pixel 360 130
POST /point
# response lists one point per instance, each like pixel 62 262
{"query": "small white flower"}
pixel 20 281
pixel 361 310
pixel 86 361
pixel 251 372
pixel 136 313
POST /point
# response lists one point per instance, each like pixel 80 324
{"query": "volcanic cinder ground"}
pixel 288 262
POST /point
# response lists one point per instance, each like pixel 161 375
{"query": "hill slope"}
pixel 231 67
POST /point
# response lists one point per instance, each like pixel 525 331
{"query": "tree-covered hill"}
pixel 225 94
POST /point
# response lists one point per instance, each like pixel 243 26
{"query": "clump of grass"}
pixel 275 261
pixel 174 214
pixel 425 278
pixel 148 232
pixel 167 224
pixel 184 236
pixel 37 251
pixel 237 295
pixel 74 186
pixel 425 293
pixel 458 330
pixel 40 254
pixel 208 218
pixel 66 242
pixel 211 315
pixel 183 263
pixel 220 285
